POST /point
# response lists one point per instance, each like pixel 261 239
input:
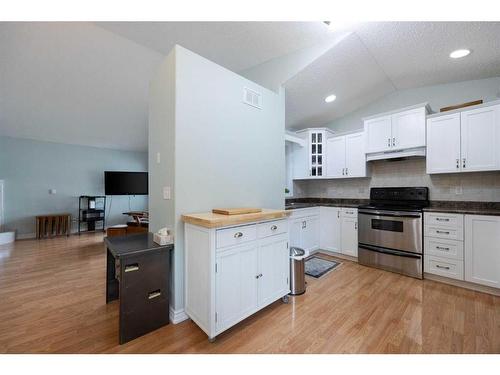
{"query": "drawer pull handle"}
pixel 442 232
pixel 132 268
pixel 274 227
pixel 443 248
pixel 258 276
pixel 155 294
pixel 238 235
pixel 442 219
pixel 443 267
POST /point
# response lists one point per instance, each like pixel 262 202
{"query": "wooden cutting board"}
pixel 236 211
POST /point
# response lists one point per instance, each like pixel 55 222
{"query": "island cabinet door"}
pixel 236 285
pixel 273 268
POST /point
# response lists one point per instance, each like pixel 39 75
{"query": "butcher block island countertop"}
pixel 212 220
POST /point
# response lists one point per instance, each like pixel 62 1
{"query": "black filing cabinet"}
pixel 138 274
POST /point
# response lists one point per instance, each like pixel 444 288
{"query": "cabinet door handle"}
pixel 443 248
pixel 258 276
pixel 238 235
pixel 338 214
pixel 347 171
pixel 463 166
pixel 274 227
pixel 356 225
pixel 389 142
pixel 443 267
pixel 132 268
pixel 442 232
pixel 458 163
pixel 154 294
pixel 393 142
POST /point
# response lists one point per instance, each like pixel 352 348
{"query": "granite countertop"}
pixel 297 203
pixel 465 207
pixel 457 207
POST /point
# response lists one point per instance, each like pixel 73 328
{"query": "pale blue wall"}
pixel 30 168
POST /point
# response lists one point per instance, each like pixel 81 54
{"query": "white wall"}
pixel 437 96
pixel 226 153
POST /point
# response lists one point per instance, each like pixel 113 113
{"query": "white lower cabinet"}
pixel 225 281
pixel 305 228
pixel 330 227
pixel 349 236
pixel 335 229
pixel 482 250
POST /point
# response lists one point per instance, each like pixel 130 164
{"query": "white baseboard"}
pixel 25 236
pixel 177 316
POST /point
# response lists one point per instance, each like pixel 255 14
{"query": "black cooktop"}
pixel 398 198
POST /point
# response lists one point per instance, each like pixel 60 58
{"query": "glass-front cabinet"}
pixel 316 153
pixel 310 160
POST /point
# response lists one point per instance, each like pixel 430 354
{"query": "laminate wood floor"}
pixel 52 301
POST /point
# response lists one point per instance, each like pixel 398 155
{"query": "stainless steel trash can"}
pixel 297 271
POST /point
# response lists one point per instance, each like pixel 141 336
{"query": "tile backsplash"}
pixel 473 186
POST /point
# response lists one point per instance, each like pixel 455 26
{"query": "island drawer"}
pixel 236 235
pixel 272 228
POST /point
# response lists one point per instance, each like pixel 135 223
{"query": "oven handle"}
pixel 390 252
pixel 390 214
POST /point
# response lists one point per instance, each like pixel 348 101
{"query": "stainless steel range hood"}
pixel 399 154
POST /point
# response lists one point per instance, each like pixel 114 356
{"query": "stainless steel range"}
pixel 390 230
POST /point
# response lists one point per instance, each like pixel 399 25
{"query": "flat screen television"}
pixel 125 183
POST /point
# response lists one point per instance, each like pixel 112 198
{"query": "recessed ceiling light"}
pixel 330 98
pixel 459 53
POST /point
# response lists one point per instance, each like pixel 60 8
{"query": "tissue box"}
pixel 163 239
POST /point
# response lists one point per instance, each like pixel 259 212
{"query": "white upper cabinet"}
pixel 443 144
pixel 466 141
pixel 355 155
pixel 479 143
pixel 310 161
pixel 408 129
pixel 336 157
pixel 378 134
pixel 396 130
pixel 346 156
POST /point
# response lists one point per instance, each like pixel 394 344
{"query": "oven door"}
pixel 391 229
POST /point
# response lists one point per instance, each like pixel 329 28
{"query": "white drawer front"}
pixel 446 267
pixel 349 212
pixel 272 228
pixel 236 235
pixel 303 212
pixel 444 248
pixel 454 221
pixel 446 233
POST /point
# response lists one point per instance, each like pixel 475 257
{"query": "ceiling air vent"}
pixel 252 98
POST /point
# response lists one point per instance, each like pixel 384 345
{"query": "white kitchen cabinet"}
pixel 349 232
pixel 408 129
pixel 310 161
pixel 443 144
pixel 273 269
pixel 304 228
pixel 231 273
pixel 310 234
pixel 465 141
pixel 330 229
pixel 396 130
pixel 346 156
pixel 480 129
pixel 482 250
pixel 378 134
pixel 336 157
pixel 236 284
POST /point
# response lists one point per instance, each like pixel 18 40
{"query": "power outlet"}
pixel 166 192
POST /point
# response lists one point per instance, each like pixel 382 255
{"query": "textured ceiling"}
pixel 87 83
pixel 387 56
pixel 234 45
